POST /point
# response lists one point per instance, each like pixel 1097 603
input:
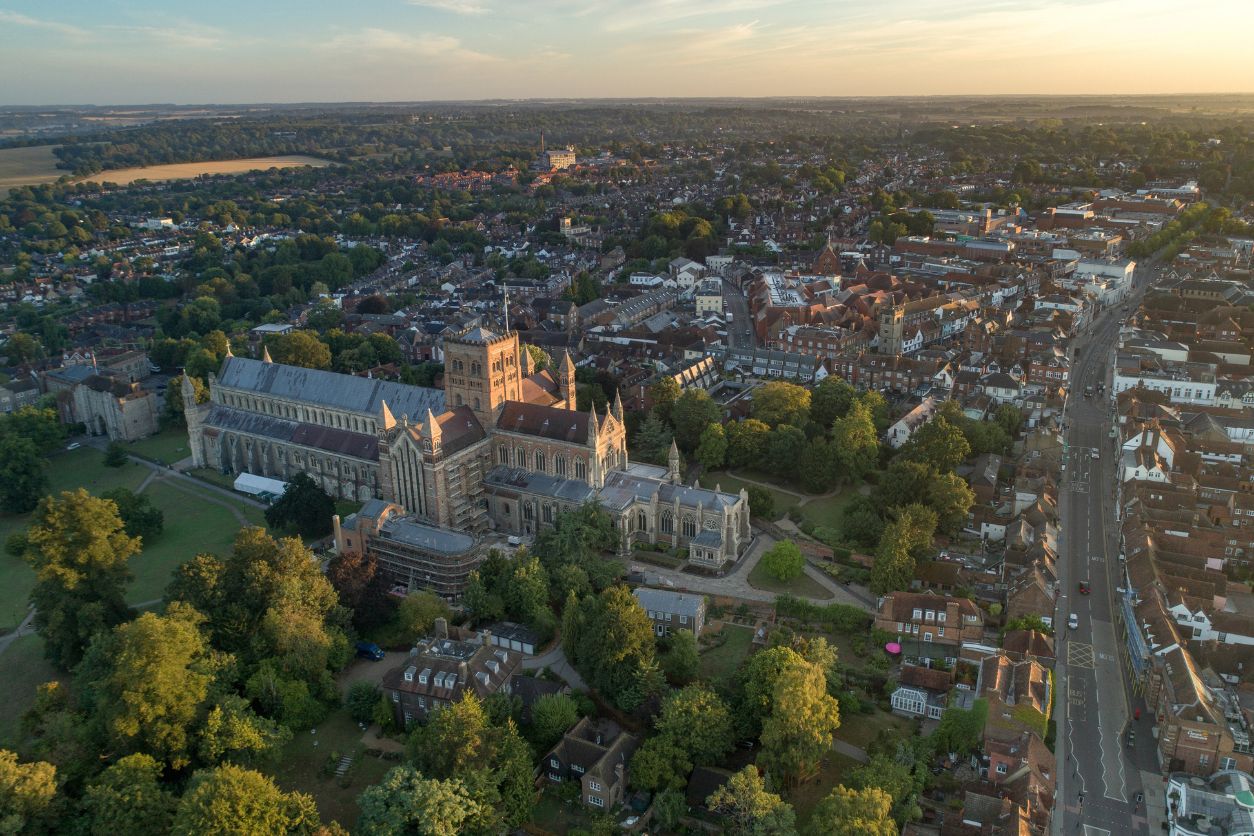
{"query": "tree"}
pixel 362 588
pixel 653 441
pixel 305 506
pixel 749 809
pixel 43 427
pixel 417 613
pixel 681 659
pixel 861 523
pixel 798 733
pixel 846 810
pixel 129 797
pixel 830 400
pixel 669 807
pixel 778 403
pixel 22 348
pixel 960 730
pixel 874 400
pixel 761 502
pixel 405 803
pixel 174 407
pixel 900 776
pixel 231 801
pixel 759 677
pixel 951 498
pixel 361 700
pixel 609 639
pixel 691 414
pixel 712 447
pixel 855 443
pixel 663 393
pixel 233 731
pixel 658 764
pixel 300 348
pixel 27 791
pixel 115 455
pixel 785 448
pixel 139 516
pixel 540 359
pixel 784 561
pixel 22 479
pixel 815 470
pixel 79 551
pixel 698 722
pixel 905 540
pixel 937 443
pixel 747 443
pixel 902 482
pixel 551 716
pixel 159 673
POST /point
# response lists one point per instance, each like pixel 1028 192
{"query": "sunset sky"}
pixel 138 51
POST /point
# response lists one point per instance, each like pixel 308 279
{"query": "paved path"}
pixel 555 660
pixel 24 629
pixel 851 751
pixel 736 583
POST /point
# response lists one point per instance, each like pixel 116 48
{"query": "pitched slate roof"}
pixel 330 389
pixel 343 442
pixel 544 421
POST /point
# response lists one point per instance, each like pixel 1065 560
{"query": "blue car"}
pixel 369 650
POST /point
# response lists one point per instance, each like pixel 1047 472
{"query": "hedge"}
pixel 841 618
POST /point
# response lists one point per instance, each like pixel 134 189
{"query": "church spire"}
pixel 265 354
pixel 566 379
pixel 616 408
pixel 593 426
pixel 672 464
pixel 386 420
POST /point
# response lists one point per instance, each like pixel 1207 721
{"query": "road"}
pixel 1099 775
pixel 739 329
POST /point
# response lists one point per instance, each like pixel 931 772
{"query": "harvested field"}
pixel 28 166
pixel 184 171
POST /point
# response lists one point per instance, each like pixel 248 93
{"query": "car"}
pixel 514 541
pixel 1095 454
pixel 1073 621
pixel 1085 589
pixel 73 446
pixel 369 650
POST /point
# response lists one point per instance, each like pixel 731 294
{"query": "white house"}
pixel 900 432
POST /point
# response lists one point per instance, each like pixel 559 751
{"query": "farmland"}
pixel 28 166
pixel 184 171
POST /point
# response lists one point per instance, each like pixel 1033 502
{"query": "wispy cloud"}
pixel 374 41
pixel 183 37
pixel 18 19
pixel 457 7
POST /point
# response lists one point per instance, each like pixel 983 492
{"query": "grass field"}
pixel 28 166
pixel 803 586
pixel 66 471
pixel 721 478
pixel 184 171
pixel 719 663
pixel 300 767
pixel 826 511
pixel 23 669
pixel 166 447
pixel 192 525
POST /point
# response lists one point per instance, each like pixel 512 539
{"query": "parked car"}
pixel 369 650
pixel 73 446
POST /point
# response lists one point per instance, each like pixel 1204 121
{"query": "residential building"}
pixel 595 752
pixel 671 611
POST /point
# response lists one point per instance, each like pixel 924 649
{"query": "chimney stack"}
pixel 441 628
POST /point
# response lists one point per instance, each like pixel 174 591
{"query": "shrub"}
pixel 361 701
pixel 115 455
pixel 839 618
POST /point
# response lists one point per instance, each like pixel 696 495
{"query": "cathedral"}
pixel 501 448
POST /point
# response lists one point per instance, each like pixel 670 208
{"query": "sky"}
pixel 235 51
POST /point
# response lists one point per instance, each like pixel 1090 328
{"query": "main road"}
pixel 1099 787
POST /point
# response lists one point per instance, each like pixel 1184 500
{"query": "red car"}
pixel 1084 587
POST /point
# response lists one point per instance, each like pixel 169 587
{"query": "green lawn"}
pixel 721 478
pixel 192 526
pixel 803 586
pixel 826 511
pixel 208 474
pixel 23 669
pixel 78 468
pixel 860 729
pixel 720 663
pixel 166 447
pixel 300 767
